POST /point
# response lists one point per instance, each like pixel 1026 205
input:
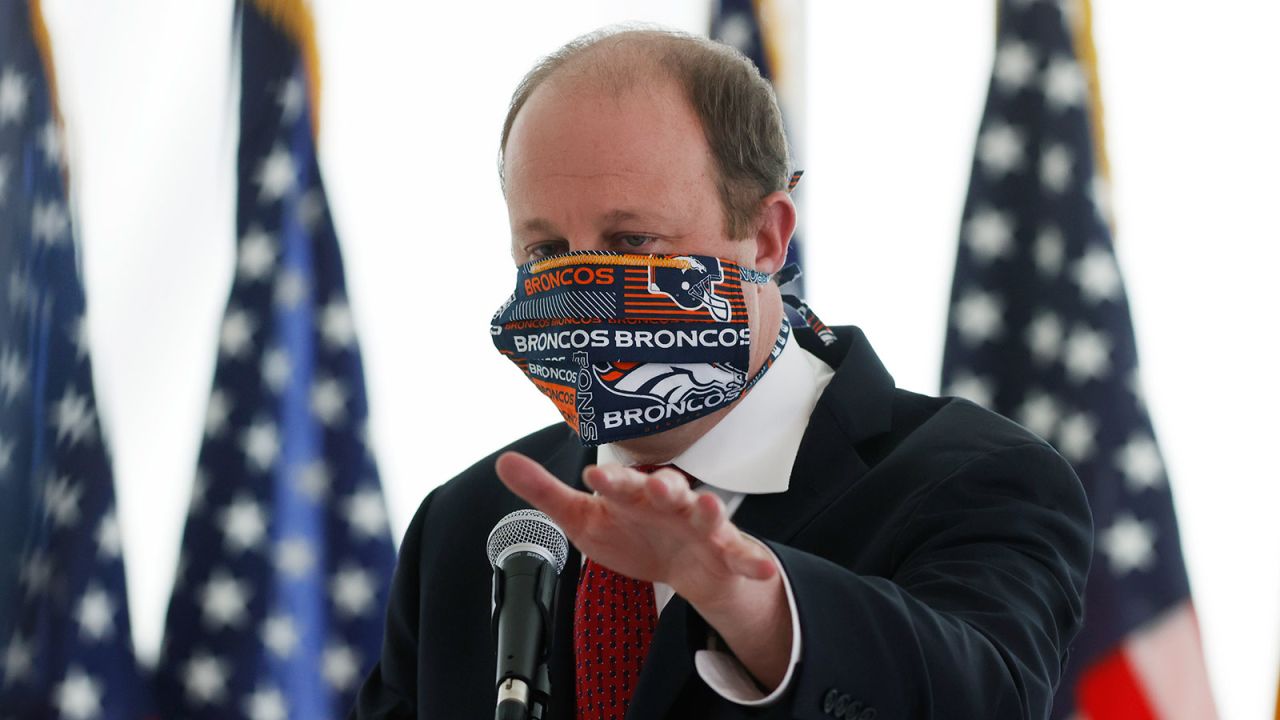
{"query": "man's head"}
pixel 735 106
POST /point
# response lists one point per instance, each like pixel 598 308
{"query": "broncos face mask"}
pixel 631 345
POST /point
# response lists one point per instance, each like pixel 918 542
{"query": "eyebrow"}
pixel 542 225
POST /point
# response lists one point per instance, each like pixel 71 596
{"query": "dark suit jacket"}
pixel 937 552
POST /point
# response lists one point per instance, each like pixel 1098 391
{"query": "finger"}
pixel 749 558
pixel 669 491
pixel 708 513
pixel 615 482
pixel 544 491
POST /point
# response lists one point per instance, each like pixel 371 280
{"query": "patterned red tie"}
pixel 613 621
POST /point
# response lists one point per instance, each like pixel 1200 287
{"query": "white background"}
pixel 414 97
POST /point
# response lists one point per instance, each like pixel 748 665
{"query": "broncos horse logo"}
pixel 672 383
pixel 692 287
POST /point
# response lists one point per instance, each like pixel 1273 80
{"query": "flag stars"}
pixel 276 368
pixel 257 254
pixel 978 317
pixel 337 326
pixel 13 376
pixel 108 536
pixel 1015 65
pixel 1077 437
pixel 1001 150
pixel 13 96
pixel 291 289
pixel 989 234
pixel 329 401
pixel 50 223
pixel 261 445
pixel 1055 168
pixel 236 336
pixel 62 500
pixel 17 660
pixel 1064 84
pixel 340 666
pixel 280 635
pixel 224 601
pixel 1097 275
pixel 277 175
pixel 5 169
pixel 1049 251
pixel 96 614
pixel 1040 414
pixel 295 557
pixel 1129 545
pixel 244 524
pixel 73 417
pixel 205 679
pixel 266 703
pixel 1044 337
pixel 1087 354
pixel 292 98
pixel 970 386
pixel 78 696
pixel 352 591
pixel 313 480
pixel 50 141
pixel 216 414
pixel 736 30
pixel 36 573
pixel 6 454
pixel 1140 462
pixel 366 513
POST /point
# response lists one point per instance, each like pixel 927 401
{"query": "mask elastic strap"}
pixel 801 308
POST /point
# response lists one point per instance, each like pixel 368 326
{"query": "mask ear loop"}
pixel 807 317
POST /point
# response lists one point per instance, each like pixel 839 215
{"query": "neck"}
pixel 664 446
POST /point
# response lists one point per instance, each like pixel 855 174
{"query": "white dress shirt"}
pixel 750 452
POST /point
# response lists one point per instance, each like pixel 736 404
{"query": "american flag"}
pixel 65 644
pixel 742 24
pixel 287 556
pixel 1040 331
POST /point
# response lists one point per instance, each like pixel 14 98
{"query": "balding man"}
pixel 761 524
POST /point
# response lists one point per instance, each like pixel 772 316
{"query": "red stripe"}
pixel 1110 690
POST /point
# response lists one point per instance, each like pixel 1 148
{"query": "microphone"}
pixel 527 551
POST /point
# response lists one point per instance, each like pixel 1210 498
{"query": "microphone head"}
pixel 528 530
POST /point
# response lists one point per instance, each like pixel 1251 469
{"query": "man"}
pixel 848 549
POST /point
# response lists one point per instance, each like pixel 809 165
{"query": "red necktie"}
pixel 613 621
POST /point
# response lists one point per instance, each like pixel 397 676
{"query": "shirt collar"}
pixel 752 449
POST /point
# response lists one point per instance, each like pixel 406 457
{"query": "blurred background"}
pixel 884 101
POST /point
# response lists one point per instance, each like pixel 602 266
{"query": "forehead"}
pixel 581 141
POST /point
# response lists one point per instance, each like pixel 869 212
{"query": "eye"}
pixel 635 242
pixel 546 249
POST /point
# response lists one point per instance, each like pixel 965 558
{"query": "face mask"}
pixel 632 345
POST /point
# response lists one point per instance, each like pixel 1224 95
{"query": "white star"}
pixel 78 332
pixel 1044 335
pixel 215 415
pixel 236 335
pixel 223 601
pixel 1055 168
pixel 291 98
pixel 1064 84
pixel 341 667
pixel 13 95
pixel 978 317
pixel 244 524
pixel 294 557
pixel 1087 354
pixel 313 480
pixel 13 375
pixel 51 143
pixel 1049 251
pixel 79 696
pixel 1077 437
pixel 1015 65
pixel 280 635
pixel 276 368
pixel 337 325
pixel 1040 414
pixel 49 222
pixel 73 417
pixel 277 175
pixel 261 444
pixel 735 30
pixel 19 290
pixel 257 254
pixel 310 209
pixel 366 513
pixel 108 537
pixel 329 401
pixel 1097 275
pixel 291 288
pixel 266 703
pixel 1140 461
pixel 17 660
pixel 1001 150
pixel 989 234
pixel 36 573
pixel 970 386
pixel 1129 544
pixel 96 614
pixel 352 591
pixel 205 678
pixel 62 500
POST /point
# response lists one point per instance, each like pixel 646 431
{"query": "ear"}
pixel 777 220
